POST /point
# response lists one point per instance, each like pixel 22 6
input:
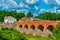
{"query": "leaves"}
pixel 14 14
pixel 49 16
pixel 29 14
pixel 10 34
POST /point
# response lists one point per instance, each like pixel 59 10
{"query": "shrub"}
pixel 56 31
pixel 10 34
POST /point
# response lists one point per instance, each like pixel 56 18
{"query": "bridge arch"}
pixel 26 26
pixel 50 28
pixel 32 27
pixel 41 27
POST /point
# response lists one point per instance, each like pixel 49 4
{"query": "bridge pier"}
pixel 38 29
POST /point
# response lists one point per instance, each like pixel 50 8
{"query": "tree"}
pixel 41 16
pixel 54 16
pixel 48 15
pixel 45 16
pixel 58 17
pixel 29 14
pixel 19 15
pixel 56 31
pixel 13 13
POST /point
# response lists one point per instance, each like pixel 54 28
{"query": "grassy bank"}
pixel 30 37
pixel 12 34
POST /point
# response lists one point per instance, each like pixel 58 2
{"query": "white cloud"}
pixel 31 1
pixel 26 6
pixel 35 14
pixel 50 10
pixel 8 4
pixel 23 10
pixel 46 1
pixel 58 11
pixel 58 1
pixel 21 4
pixel 36 7
pixel 42 10
pixel 5 6
pixel 52 2
pixel 12 3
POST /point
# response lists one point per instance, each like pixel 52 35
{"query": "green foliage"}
pixel 18 16
pixel 13 34
pixel 54 16
pixel 58 16
pixel 29 14
pixel 14 14
pixel 49 16
pixel 10 34
pixel 30 37
pixel 56 31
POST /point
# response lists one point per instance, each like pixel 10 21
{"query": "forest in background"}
pixel 19 15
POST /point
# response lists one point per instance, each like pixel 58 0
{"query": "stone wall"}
pixel 35 32
pixel 7 25
pixel 38 28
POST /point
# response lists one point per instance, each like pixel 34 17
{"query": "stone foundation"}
pixel 35 32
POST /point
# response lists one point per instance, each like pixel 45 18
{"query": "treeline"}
pixel 49 16
pixel 14 14
pixel 18 15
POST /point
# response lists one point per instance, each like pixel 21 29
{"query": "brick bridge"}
pixel 42 27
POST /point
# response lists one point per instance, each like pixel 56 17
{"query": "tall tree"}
pixel 29 14
pixel 20 15
pixel 54 16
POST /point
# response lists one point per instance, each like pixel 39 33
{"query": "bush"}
pixel 10 34
pixel 56 31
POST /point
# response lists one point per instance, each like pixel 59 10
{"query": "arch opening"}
pixel 20 26
pixel 26 26
pixel 50 28
pixel 32 27
pixel 40 27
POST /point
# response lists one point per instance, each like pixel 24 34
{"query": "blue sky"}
pixel 34 6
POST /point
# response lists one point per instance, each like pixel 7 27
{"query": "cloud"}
pixel 2 1
pixel 42 10
pixel 31 1
pixel 36 7
pixel 58 2
pixel 58 11
pixel 29 5
pixel 46 1
pixel 5 4
pixel 21 4
pixel 23 10
pixel 12 3
pixel 26 6
pixel 50 10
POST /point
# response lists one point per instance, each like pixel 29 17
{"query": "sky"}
pixel 34 6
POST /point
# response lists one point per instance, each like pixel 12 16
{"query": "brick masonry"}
pixel 39 28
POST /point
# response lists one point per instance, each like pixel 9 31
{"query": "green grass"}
pixel 6 32
pixel 30 37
